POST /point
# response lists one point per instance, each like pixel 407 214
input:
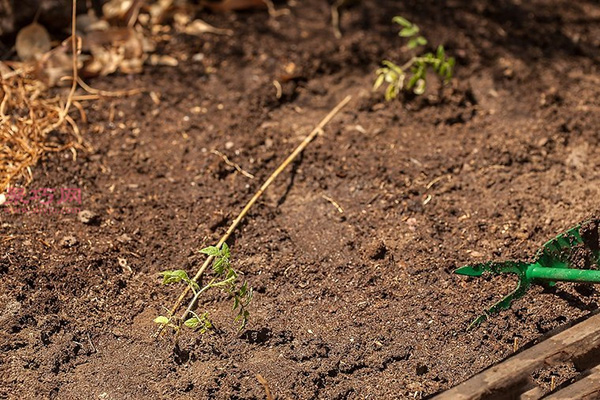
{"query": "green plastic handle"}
pixel 563 274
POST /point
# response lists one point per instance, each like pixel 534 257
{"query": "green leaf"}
pixel 211 251
pixel 402 21
pixel 231 274
pixel 443 72
pixel 449 68
pixel 161 320
pixel 219 266
pixel 174 276
pixel 409 31
pixel 243 289
pixel 416 42
pixel 413 80
pixel 420 87
pixel 225 251
pixel 243 317
pixel 378 81
pixel 440 53
pixel 390 93
pixel 192 322
pixel 196 322
pixel 393 67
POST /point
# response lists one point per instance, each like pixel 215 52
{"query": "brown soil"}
pixel 353 305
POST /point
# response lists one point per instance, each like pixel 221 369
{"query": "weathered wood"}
pixel 535 393
pixel 574 342
pixel 586 388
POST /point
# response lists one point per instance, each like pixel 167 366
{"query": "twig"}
pixel 335 18
pixel 91 343
pixel 265 185
pixel 273 12
pixel 74 49
pixel 278 88
pixel 232 164
pixel 104 93
pixel 335 204
pixel 265 384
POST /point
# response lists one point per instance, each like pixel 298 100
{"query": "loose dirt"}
pixel 353 305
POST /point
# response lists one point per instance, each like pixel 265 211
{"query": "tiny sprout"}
pixel 161 320
pixel 410 31
pixel 413 74
pixel 225 278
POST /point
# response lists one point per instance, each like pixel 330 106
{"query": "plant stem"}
pixel 195 298
pixel 318 129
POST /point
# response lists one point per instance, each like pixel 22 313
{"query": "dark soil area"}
pixel 353 305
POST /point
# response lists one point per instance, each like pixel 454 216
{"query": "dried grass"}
pixel 33 122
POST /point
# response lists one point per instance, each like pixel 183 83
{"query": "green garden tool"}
pixel 561 259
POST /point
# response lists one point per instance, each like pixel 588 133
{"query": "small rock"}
pixel 165 60
pixel 87 217
pixel 376 250
pixel 124 238
pixel 412 223
pixel 68 241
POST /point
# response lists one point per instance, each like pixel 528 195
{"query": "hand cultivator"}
pixel 564 258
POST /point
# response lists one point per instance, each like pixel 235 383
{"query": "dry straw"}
pixel 34 119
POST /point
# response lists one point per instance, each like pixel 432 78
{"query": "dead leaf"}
pixel 235 5
pixel 32 41
pixel 89 22
pixel 54 65
pixel 198 27
pixel 116 9
pixel 115 49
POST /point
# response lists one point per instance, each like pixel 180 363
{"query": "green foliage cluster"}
pixel 413 74
pixel 225 278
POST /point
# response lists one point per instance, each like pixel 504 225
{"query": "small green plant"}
pixel 225 278
pixel 413 74
pixel 410 31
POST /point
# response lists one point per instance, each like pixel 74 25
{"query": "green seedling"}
pixel 224 278
pixel 556 261
pixel 410 31
pixel 412 76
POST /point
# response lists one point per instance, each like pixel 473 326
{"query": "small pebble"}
pixel 376 250
pixel 124 238
pixel 68 241
pixel 87 217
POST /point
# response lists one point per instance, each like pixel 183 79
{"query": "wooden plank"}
pixel 574 342
pixel 587 387
pixel 534 393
